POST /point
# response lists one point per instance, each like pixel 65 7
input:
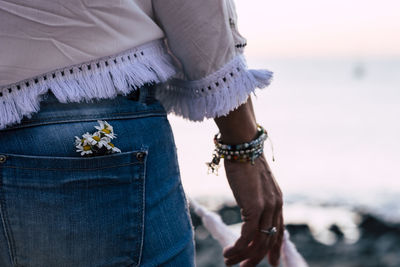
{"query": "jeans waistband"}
pixel 139 103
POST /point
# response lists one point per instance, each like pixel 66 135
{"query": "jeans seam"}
pixel 143 209
pixel 88 118
pixel 187 210
pixel 5 223
pixel 72 169
pixel 85 116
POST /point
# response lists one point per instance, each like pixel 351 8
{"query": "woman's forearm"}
pixel 256 192
pixel 239 125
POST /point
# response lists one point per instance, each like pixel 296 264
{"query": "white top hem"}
pixel 100 78
pixel 212 96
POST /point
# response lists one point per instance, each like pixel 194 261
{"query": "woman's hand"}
pixel 260 200
pixel 256 192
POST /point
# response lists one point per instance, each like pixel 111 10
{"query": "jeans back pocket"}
pixel 73 211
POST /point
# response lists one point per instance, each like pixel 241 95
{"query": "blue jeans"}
pixel 58 208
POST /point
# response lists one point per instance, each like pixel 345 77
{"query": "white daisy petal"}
pixel 78 141
pixel 110 135
pixel 116 149
pixel 108 126
pixel 101 123
pixel 86 135
pixel 86 152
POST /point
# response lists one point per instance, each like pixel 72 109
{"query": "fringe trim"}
pixel 98 79
pixel 214 95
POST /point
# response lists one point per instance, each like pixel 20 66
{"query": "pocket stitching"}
pixel 71 160
pixel 72 169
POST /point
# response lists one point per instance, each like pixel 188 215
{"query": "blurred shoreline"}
pixel 325 235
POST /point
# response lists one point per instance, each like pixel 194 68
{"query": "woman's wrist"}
pixel 239 126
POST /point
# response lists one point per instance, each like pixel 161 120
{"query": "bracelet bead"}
pixel 245 152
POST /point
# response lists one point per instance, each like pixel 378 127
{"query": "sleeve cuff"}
pixel 214 95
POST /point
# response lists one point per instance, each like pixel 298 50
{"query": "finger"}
pixel 250 252
pixel 258 248
pixel 249 229
pixel 268 240
pixel 257 255
pixel 275 252
pixel 268 220
pixel 277 222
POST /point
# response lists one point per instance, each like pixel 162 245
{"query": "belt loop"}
pixel 134 94
pixel 147 93
pixel 143 94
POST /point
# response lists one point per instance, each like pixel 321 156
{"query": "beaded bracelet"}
pixel 242 152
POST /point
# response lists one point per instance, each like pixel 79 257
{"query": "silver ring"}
pixel 270 231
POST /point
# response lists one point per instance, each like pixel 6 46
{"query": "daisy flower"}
pixel 96 139
pixel 97 143
pixel 106 129
pixel 111 147
pixel 84 149
pixel 78 141
pixel 82 141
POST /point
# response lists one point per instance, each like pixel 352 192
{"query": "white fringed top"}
pixel 94 49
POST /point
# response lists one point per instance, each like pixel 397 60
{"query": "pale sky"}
pixel 359 28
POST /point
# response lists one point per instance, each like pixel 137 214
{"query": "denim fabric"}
pixel 58 208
